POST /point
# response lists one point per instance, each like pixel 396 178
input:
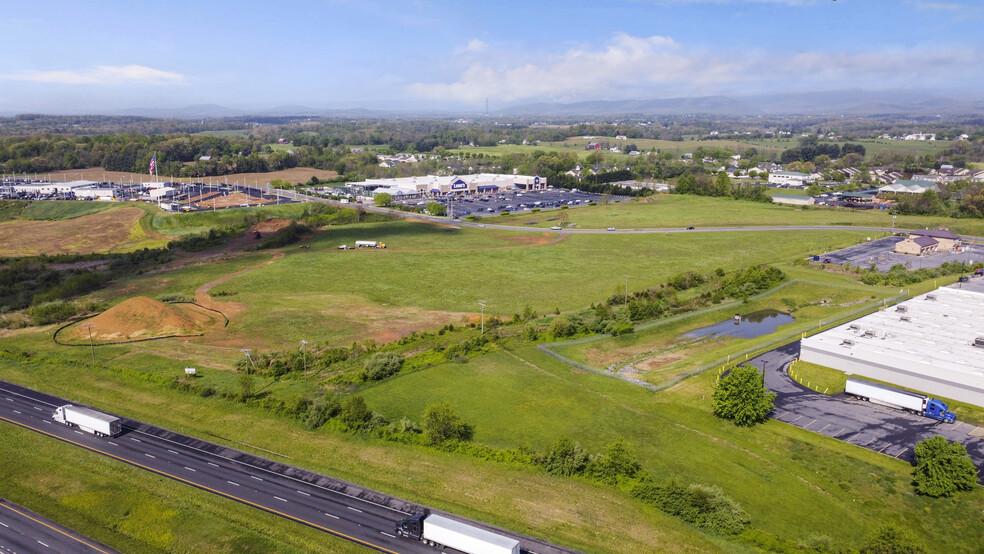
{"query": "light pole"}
pixel 626 289
pixel 482 304
pixel 893 224
pixel 304 355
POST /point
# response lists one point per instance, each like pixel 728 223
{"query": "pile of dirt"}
pixel 143 318
pixel 270 225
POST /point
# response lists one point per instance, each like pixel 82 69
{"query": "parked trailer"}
pixel 897 398
pixel 90 421
pixel 442 532
pixel 369 244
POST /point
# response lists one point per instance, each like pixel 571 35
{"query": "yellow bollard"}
pixel 729 358
pixel 826 390
pixel 746 357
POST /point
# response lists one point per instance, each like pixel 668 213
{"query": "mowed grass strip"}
pixel 133 510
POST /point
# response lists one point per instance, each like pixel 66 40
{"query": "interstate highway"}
pixel 343 510
pixel 23 531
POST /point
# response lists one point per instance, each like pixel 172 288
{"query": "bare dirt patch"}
pixel 143 318
pixel 99 232
pixel 531 239
pixel 292 175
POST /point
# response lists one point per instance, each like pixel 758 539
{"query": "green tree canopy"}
pixel 943 468
pixel 741 396
pixel 889 539
pixel 566 457
pixel 436 208
pixel 382 199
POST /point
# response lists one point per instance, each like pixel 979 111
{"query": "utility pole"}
pixel 626 289
pixel 482 304
pixel 92 348
pixel 304 355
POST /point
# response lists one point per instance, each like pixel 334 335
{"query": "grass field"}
pixel 678 210
pixel 115 230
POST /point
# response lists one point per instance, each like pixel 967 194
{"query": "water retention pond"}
pixel 747 326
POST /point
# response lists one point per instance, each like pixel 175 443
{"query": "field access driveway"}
pixel 891 432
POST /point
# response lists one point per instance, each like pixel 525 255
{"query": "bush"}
pixel 382 365
pixel 174 297
pixel 356 413
pixel 320 411
pixel 702 505
pixel 52 312
pixel 889 539
pixel 442 423
pixel 617 462
pixel 561 327
pixel 566 457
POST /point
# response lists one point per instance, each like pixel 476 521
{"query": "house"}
pixel 916 245
pixel 593 146
pixel 947 241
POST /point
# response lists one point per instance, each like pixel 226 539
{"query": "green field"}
pixel 794 484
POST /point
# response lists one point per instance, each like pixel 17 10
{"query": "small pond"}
pixel 748 326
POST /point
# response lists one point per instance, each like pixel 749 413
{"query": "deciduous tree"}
pixel 943 468
pixel 741 397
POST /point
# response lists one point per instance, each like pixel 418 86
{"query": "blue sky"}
pixel 103 55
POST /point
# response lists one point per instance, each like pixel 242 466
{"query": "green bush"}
pixel 174 297
pixel 741 397
pixel 561 327
pixel 943 468
pixel 705 506
pixel 566 457
pixel 52 312
pixel 889 539
pixel 321 410
pixel 442 423
pixel 382 365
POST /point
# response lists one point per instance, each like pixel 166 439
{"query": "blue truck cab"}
pixel 939 411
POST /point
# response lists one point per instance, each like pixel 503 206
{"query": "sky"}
pixel 70 56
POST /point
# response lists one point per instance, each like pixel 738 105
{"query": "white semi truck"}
pixel 369 244
pixel 90 421
pixel 897 398
pixel 442 532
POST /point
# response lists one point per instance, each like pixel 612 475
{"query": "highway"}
pixel 23 532
pixel 333 506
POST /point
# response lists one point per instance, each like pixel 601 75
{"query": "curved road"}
pixel 885 430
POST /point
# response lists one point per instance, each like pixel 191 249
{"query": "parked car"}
pixel 611 228
pixel 691 228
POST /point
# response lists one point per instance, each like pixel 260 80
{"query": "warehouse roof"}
pixel 932 335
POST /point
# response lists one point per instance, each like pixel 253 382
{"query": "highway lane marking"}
pixel 388 535
pixel 330 515
pixel 255 477
pixel 112 443
pixel 189 469
pixel 150 455
pixel 354 509
pixel 171 451
pixel 281 499
pixel 197 485
pixel 9 399
pixel 232 483
pixel 18 413
pixel 44 545
pixel 304 493
pixel 38 409
pixel 79 432
pixel 5 525
pixel 76 539
pixel 135 439
pixel 211 464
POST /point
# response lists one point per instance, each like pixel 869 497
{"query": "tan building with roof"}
pixel 923 242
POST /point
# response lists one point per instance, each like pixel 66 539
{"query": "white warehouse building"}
pixel 933 343
pixel 479 183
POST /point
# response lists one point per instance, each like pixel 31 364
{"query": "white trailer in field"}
pixel 90 421
pixel 443 532
pixel 369 244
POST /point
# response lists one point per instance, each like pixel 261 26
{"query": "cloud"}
pixel 475 45
pixel 658 67
pixel 100 75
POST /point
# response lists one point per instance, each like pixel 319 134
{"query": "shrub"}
pixel 561 327
pixel 52 312
pixel 320 411
pixel 442 423
pixel 618 461
pixel 889 539
pixel 356 413
pixel 741 397
pixel 382 365
pixel 702 505
pixel 566 457
pixel 174 297
pixel 943 468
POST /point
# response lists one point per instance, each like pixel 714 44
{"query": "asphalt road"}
pixel 333 506
pixel 23 531
pixel 891 432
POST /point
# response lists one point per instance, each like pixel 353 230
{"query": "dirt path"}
pixel 229 308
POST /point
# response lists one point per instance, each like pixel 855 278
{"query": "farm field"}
pixel 872 147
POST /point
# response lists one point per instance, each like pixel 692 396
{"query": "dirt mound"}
pixel 270 225
pixel 143 318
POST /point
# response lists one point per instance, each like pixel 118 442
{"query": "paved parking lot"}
pixel 881 429
pixel 882 253
pixel 481 205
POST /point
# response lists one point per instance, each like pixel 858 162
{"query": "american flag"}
pixel 153 164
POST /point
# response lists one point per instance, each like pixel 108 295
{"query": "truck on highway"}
pixel 369 244
pixel 90 421
pixel 442 532
pixel 892 397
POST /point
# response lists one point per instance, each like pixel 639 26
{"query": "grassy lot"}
pixel 116 230
pixel 519 498
pixel 198 222
pixel 132 511
pixel 679 210
pixel 60 210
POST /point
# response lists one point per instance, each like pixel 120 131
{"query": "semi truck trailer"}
pixel 369 244
pixel 90 421
pixel 442 532
pixel 892 397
